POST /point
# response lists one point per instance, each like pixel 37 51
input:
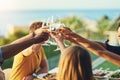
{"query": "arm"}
pixel 101 44
pixel 92 46
pixel 59 40
pixel 12 49
pixel 22 43
pixel 43 67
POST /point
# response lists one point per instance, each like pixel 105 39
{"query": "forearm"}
pixel 101 43
pixel 43 70
pixel 61 45
pixel 89 45
pixel 112 57
pixel 98 49
pixel 12 49
pixel 86 43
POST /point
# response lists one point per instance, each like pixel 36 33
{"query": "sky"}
pixel 58 4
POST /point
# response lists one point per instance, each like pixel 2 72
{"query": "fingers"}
pixel 41 37
pixel 59 34
pixel 40 30
pixel 64 29
pixel 44 36
pixel 53 34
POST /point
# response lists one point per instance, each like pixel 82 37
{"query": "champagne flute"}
pixel 55 25
pixel 51 25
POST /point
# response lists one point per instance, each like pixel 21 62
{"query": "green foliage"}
pixel 73 22
pixel 109 65
pixel 17 34
pixel 7 63
pixel 52 55
pixel 4 41
pixel 115 23
pixel 103 24
pixel 49 50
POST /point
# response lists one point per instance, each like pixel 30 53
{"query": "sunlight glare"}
pixel 7 5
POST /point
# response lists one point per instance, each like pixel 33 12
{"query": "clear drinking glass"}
pixel 52 24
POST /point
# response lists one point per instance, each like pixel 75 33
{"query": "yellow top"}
pixel 26 65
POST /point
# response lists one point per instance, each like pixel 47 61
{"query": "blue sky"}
pixel 58 4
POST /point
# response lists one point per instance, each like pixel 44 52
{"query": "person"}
pixel 10 50
pixel 75 61
pixel 75 64
pixel 29 60
pixel 97 48
pixel 115 49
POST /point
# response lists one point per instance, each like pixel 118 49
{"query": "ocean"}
pixel 25 17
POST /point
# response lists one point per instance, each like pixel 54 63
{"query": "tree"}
pixel 103 24
pixel 115 23
pixel 74 23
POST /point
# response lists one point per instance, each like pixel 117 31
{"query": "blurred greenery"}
pixel 108 65
pixel 76 24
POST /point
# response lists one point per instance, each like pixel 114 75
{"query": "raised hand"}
pixel 64 31
pixel 68 34
pixel 41 35
pixel 56 36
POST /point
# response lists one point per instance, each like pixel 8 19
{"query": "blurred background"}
pixel 92 19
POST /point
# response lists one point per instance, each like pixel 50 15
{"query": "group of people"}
pixel 74 63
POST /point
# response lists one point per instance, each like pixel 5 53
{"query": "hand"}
pixel 68 34
pixel 40 30
pixel 56 36
pixel 59 39
pixel 29 77
pixel 2 76
pixel 41 35
pixel 64 31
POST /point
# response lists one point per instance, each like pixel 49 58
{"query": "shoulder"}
pixel 27 51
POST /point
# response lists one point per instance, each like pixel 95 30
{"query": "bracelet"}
pixel 1 57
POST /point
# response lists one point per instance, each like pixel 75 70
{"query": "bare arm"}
pixel 43 67
pixel 92 46
pixel 101 43
pixel 12 49
pixel 99 50
pixel 59 40
pixel 22 43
